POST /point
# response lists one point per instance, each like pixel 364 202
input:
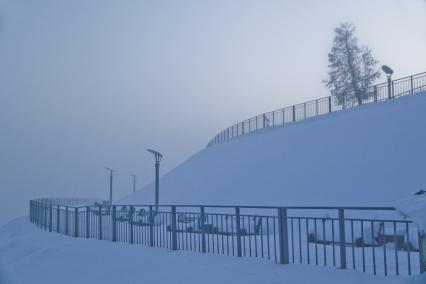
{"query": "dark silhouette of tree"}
pixel 352 68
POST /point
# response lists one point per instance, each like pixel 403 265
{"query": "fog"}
pixel 86 84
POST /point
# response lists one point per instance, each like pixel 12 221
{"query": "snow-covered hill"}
pixel 371 155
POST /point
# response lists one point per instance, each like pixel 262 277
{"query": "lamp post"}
pixel 134 182
pixel 110 184
pixel 157 157
pixel 388 71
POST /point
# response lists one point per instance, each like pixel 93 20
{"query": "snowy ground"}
pixel 30 255
pixel 372 155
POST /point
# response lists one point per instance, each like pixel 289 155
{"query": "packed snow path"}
pixel 30 255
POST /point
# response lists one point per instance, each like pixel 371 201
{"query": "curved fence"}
pixel 381 92
pixel 344 237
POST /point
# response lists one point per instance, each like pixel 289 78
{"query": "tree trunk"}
pixel 352 71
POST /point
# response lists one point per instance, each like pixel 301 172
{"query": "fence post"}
pixel 412 84
pixel 174 228
pixel 100 223
pixel 87 222
pixel 203 229
pixel 283 235
pixel 50 218
pixel 58 218
pixel 389 89
pixel 294 113
pixel 66 220
pixel 41 215
pixel 422 265
pixel 151 225
pixel 45 216
pixel 375 93
pixel 329 104
pixel 316 108
pixel 304 110
pixel 76 234
pixel 342 238
pixel 238 229
pixel 131 211
pixel 114 224
pixel 393 89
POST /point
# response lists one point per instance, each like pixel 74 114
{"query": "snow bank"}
pixel 415 208
pixel 30 255
pixel 371 155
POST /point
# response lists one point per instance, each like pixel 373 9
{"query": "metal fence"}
pixel 344 237
pixel 381 92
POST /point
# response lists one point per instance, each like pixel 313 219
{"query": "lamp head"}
pixel 157 155
pixel 388 71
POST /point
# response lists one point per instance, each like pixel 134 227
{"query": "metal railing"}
pixel 377 93
pixel 344 237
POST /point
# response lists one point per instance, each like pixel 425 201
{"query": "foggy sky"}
pixel 86 84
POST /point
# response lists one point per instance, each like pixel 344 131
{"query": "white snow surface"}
pixel 373 155
pixel 415 208
pixel 31 255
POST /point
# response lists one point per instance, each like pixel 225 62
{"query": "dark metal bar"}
pixel 76 233
pixel 131 220
pixel 66 220
pixel 374 251
pixel 203 231
pixel 396 250
pixel 114 223
pixel 100 236
pixel 174 229
pixel 283 235
pixel 408 248
pixel 151 227
pixel 238 229
pixel 342 238
pixel 58 212
pixel 50 217
pixel 87 222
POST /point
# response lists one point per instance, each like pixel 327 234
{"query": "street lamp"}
pixel 158 157
pixel 134 183
pixel 110 184
pixel 388 71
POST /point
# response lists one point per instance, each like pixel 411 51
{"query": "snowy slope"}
pixel 29 255
pixel 371 155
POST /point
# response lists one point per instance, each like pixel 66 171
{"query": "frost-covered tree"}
pixel 352 68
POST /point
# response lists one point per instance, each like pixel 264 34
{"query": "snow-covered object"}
pixel 414 207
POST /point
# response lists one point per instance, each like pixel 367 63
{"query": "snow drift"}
pixel 370 155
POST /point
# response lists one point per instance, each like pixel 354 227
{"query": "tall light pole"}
pixel 134 183
pixel 388 71
pixel 158 157
pixel 110 184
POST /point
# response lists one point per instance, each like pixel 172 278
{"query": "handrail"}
pixel 283 234
pixel 381 92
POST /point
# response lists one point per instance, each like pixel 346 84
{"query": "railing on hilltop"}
pixel 381 92
pixel 344 237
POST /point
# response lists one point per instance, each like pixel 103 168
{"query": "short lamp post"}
pixel 134 182
pixel 388 71
pixel 111 171
pixel 158 156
